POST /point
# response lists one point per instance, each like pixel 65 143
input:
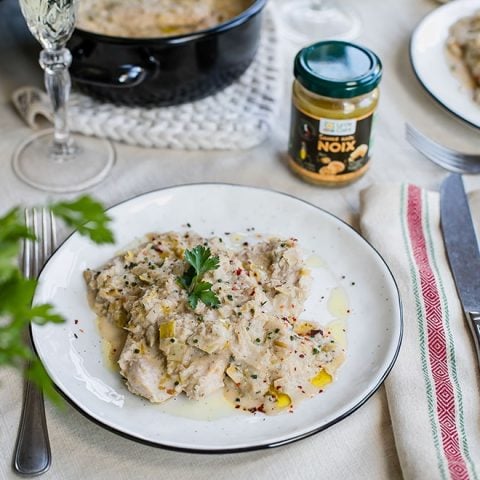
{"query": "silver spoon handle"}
pixel 32 451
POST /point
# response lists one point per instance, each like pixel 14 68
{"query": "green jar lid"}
pixel 338 69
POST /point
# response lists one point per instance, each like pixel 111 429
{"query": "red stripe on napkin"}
pixel 444 397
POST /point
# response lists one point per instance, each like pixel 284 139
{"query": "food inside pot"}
pixel 155 18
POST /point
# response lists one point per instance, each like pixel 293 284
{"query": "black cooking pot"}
pixel 165 71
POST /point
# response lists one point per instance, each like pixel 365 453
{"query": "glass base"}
pixel 36 163
pixel 306 23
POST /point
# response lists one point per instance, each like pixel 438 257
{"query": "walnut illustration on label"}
pixel 329 146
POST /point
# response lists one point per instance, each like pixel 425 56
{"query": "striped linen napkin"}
pixel 433 392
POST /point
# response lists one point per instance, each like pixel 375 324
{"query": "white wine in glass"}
pixel 59 161
pixel 310 21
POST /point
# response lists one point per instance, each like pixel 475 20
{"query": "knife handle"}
pixel 474 324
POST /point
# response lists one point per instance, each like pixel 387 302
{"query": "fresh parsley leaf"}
pixel 202 287
pixel 201 261
pixel 87 216
pixel 12 229
pixel 16 295
pixel 39 376
pixel 16 292
pixel 8 255
pixel 186 279
pixel 42 314
pixel 209 298
pixel 192 301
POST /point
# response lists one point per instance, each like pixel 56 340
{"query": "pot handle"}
pixel 123 76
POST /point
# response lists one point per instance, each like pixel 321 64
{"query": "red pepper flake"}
pixel 237 406
pixel 302 355
pixel 312 332
pixel 261 409
pixel 76 321
pixel 238 271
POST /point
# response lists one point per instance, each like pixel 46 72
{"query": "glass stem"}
pixel 55 63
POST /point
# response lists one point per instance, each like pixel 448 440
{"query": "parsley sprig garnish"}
pixel 201 261
pixel 87 216
pixel 16 292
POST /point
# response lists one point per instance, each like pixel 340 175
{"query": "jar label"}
pixel 330 147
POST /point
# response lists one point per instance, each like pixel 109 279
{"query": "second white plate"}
pixel 427 54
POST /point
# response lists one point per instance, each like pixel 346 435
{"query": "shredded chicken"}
pixel 252 344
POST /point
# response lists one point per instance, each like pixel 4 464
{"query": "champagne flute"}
pixel 59 161
pixel 309 21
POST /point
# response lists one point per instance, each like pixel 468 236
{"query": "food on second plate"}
pixel 463 48
pixel 155 18
pixel 200 317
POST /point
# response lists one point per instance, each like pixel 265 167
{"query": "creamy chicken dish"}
pixel 463 48
pixel 235 328
pixel 155 18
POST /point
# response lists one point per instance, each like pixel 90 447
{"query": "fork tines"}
pixel 41 223
pixel 447 158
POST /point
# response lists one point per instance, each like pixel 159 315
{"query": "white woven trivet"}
pixel 237 117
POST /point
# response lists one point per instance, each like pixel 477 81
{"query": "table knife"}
pixel 462 250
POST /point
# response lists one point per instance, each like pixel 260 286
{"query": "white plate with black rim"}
pixel 430 63
pixel 73 356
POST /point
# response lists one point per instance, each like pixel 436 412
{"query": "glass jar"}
pixel 335 95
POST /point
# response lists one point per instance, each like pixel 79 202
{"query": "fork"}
pixel 32 454
pixel 447 158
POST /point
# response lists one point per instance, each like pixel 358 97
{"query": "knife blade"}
pixel 462 250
